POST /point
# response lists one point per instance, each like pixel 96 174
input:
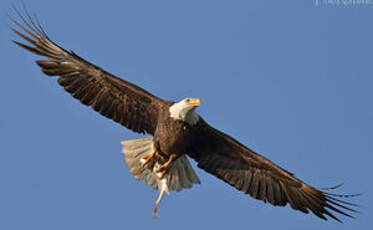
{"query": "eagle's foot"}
pixel 146 159
pixel 163 169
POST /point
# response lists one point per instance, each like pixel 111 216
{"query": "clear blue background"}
pixel 293 81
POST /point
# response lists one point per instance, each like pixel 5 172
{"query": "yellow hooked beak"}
pixel 196 102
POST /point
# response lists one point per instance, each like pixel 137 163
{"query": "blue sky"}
pixel 293 81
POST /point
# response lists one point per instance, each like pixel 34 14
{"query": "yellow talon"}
pixel 161 174
pixel 146 159
pixel 163 169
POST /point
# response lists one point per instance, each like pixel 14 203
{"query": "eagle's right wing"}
pixel 117 99
pixel 232 162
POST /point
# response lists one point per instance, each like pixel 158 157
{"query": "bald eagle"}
pixel 176 131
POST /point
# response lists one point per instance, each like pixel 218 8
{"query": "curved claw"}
pixel 146 159
pixel 163 169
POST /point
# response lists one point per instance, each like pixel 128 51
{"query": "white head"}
pixel 185 110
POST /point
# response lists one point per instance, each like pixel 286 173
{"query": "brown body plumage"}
pixel 142 112
pixel 173 136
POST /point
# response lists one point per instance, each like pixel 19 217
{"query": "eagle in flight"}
pixel 176 131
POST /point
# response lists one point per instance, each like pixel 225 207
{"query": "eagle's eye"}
pixel 188 100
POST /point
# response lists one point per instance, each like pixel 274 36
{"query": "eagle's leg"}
pixel 146 159
pixel 163 169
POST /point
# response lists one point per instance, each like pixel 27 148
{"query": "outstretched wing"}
pixel 117 99
pixel 227 159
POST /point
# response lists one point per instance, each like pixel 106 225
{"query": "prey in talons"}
pixel 163 169
pixel 162 183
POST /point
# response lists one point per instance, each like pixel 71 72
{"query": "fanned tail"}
pixel 180 176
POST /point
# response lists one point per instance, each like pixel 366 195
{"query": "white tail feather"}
pixel 180 175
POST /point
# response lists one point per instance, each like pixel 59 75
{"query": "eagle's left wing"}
pixel 227 159
pixel 114 98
